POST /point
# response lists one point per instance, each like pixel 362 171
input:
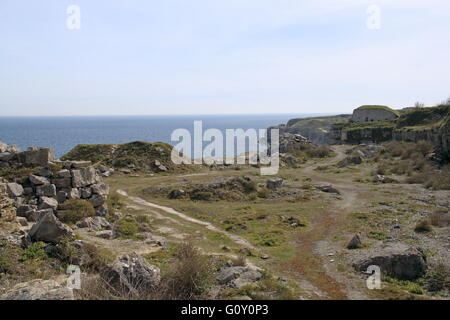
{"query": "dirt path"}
pixel 309 262
pixel 238 240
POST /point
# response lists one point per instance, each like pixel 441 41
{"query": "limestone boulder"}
pixel 48 203
pixel 237 277
pixel 97 200
pixel 38 290
pixel 48 190
pixel 14 190
pixel 95 223
pixel 37 156
pixel 132 274
pixel 100 189
pixel 62 183
pixel 49 229
pixel 83 177
pixel 396 260
pixel 38 181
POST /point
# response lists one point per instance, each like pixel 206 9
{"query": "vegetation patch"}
pixel 74 210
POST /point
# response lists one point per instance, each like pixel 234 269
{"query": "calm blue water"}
pixel 64 133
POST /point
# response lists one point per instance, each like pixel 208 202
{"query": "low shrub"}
pixel 74 210
pixel 263 192
pixel 423 226
pixel 440 219
pixel 126 227
pixel 438 278
pixel 35 251
pixel 189 276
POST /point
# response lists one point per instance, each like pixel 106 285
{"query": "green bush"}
pixel 201 195
pixel 74 210
pixel 35 251
pixel 126 227
pixel 438 278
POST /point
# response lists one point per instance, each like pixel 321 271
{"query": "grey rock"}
pixel 49 229
pixel 248 277
pixel 45 172
pixel 95 223
pixel 350 160
pixel 48 203
pixel 64 173
pixel 105 234
pixel 38 181
pixel 102 210
pixel 74 193
pixel 84 177
pixel 48 190
pixel 86 193
pixel 328 188
pixel 61 196
pixel 38 290
pixel 155 241
pixel 100 189
pixel 14 190
pixel 6 156
pixel 37 156
pixel 62 183
pixel 396 260
pixel 25 209
pixel 228 274
pixel 355 242
pixel 176 194
pixel 274 184
pixel 132 274
pixel 35 215
pixel 97 200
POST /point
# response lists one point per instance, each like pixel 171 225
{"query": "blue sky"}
pixel 220 56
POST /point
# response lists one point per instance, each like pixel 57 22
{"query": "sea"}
pixel 62 133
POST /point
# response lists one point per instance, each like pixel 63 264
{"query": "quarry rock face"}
pixel 47 189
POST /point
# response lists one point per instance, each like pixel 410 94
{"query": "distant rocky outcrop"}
pixel 315 129
pixel 133 156
pixel 413 125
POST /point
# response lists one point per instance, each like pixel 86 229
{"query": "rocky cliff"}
pixel 315 129
pixel 418 124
